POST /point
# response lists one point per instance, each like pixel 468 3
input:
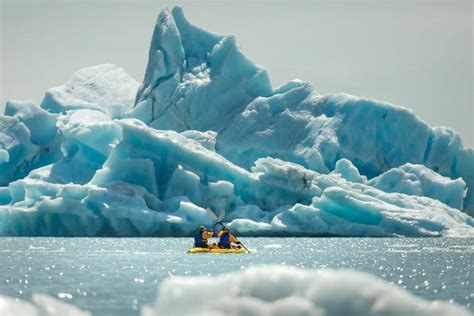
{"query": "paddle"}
pixel 221 216
pixel 217 224
pixel 214 217
pixel 219 221
pixel 244 247
pixel 211 214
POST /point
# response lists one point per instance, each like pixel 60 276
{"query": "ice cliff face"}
pixel 103 155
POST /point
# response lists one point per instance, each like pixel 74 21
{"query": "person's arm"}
pixel 233 239
pixel 219 234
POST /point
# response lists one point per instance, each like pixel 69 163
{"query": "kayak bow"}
pixel 206 250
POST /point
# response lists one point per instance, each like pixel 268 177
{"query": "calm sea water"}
pixel 115 276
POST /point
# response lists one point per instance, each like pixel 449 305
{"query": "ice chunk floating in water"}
pixel 266 291
pixel 105 156
pixel 43 305
pixel 277 290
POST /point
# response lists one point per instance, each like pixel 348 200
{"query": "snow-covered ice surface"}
pixel 103 155
pixel 106 88
pixel 72 270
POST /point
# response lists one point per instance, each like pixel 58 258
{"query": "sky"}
pixel 414 53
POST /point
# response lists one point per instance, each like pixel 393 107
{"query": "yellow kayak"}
pixel 216 250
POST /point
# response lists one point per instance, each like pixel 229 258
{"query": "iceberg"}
pixel 103 155
pixel 293 122
pixel 159 183
pixel 276 290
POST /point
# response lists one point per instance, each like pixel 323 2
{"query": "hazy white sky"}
pixel 415 53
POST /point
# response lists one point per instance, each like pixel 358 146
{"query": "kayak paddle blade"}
pixel 212 214
pixel 221 216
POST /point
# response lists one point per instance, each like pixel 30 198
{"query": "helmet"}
pixel 226 228
pixel 202 228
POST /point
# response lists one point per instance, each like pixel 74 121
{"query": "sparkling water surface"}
pixel 116 276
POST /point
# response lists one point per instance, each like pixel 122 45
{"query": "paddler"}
pixel 200 239
pixel 226 238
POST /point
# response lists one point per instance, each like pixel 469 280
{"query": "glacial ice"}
pixel 420 180
pixel 277 290
pixel 151 178
pixel 15 146
pixel 41 305
pixel 265 291
pixel 293 122
pixel 106 88
pixel 104 156
pixel 190 70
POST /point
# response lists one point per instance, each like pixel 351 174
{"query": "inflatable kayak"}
pixel 216 250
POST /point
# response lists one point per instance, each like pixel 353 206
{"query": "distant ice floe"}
pixel 104 156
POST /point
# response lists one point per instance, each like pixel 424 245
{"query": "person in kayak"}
pixel 226 238
pixel 200 239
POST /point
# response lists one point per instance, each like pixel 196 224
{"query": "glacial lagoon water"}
pixel 116 276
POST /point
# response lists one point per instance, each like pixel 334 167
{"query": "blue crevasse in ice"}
pixel 104 156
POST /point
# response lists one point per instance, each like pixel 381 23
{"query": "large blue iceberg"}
pixel 103 155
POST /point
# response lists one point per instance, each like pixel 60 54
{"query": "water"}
pixel 115 276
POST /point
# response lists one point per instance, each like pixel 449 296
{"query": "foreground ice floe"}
pixel 103 156
pixel 41 305
pixel 266 291
pixel 277 290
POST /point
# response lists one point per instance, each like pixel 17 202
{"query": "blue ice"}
pixel 103 155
